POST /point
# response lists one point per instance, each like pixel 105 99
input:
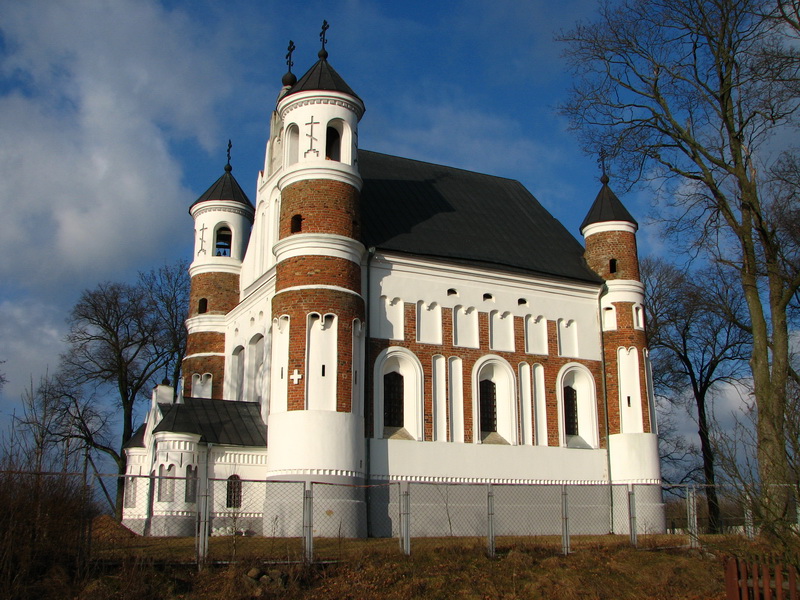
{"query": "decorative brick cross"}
pixel 295 377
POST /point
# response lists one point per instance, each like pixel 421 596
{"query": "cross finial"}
pixel 290 49
pixel 602 155
pixel 322 37
pixel 323 54
pixel 228 166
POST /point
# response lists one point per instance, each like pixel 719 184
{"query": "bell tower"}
pixel 609 232
pixel 223 216
pixel 315 426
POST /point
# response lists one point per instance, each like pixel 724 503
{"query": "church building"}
pixel 368 318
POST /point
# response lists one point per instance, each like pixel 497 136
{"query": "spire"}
pixel 226 187
pixel 322 76
pixel 289 79
pixel 606 207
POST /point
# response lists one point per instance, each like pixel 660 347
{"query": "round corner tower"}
pixel 223 216
pixel 609 232
pixel 315 425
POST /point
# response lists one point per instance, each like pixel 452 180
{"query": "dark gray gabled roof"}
pixel 225 188
pixel 322 76
pixel 137 439
pixel 607 207
pixel 442 212
pixel 216 421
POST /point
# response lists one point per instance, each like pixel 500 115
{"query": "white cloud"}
pixel 97 92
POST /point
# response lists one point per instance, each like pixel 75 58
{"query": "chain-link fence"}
pixel 222 520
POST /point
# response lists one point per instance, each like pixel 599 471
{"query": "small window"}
pixel 570 411
pixel 297 224
pixel 452 292
pixel 612 265
pixel 130 492
pixel 488 297
pixel 190 492
pixel 333 145
pixel 223 244
pixel 488 406
pixel 233 497
pixel 393 400
pixel 166 483
pixel 202 306
pixel 522 302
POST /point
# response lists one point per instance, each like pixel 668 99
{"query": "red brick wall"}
pixel 325 207
pixel 318 270
pixel 425 353
pixel 205 364
pixel 298 304
pixel 220 289
pixel 621 245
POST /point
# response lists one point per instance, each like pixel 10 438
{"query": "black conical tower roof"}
pixel 322 76
pixel 225 188
pixel 607 207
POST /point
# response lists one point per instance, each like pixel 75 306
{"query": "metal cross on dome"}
pixel 290 48
pixel 322 33
pixel 230 145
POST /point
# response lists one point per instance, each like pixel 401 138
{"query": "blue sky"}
pixel 115 116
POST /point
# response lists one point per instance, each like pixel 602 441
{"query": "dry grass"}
pixel 602 567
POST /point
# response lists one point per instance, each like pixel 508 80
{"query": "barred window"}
pixel 570 411
pixel 190 492
pixel 488 406
pixel 393 400
pixel 234 492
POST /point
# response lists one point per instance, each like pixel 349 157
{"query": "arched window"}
pixel 297 224
pixel 612 265
pixel 488 407
pixel 190 492
pixel 393 399
pixel 333 144
pixel 223 242
pixel 233 497
pixel 407 368
pixel 202 306
pixel 237 373
pixel 570 411
pixel 293 144
pixel 166 483
pixel 130 492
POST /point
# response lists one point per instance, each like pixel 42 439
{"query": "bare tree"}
pixel 695 346
pixel 691 94
pixel 121 336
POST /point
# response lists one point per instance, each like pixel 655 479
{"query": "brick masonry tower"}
pixel 223 216
pixel 609 231
pixel 315 426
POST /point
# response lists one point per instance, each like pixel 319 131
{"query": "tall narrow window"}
pixel 190 492
pixel 333 145
pixel 570 411
pixel 223 243
pixel 488 406
pixel 612 265
pixel 166 483
pixel 202 306
pixel 233 497
pixel 130 492
pixel 393 400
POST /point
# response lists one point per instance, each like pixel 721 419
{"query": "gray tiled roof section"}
pixel 225 188
pixel 441 212
pixel 607 207
pixel 322 76
pixel 217 421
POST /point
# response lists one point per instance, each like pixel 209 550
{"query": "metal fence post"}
pixel 490 521
pixel 691 517
pixel 564 521
pixel 308 524
pixel 405 519
pixel 202 528
pixel 749 526
pixel 632 514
